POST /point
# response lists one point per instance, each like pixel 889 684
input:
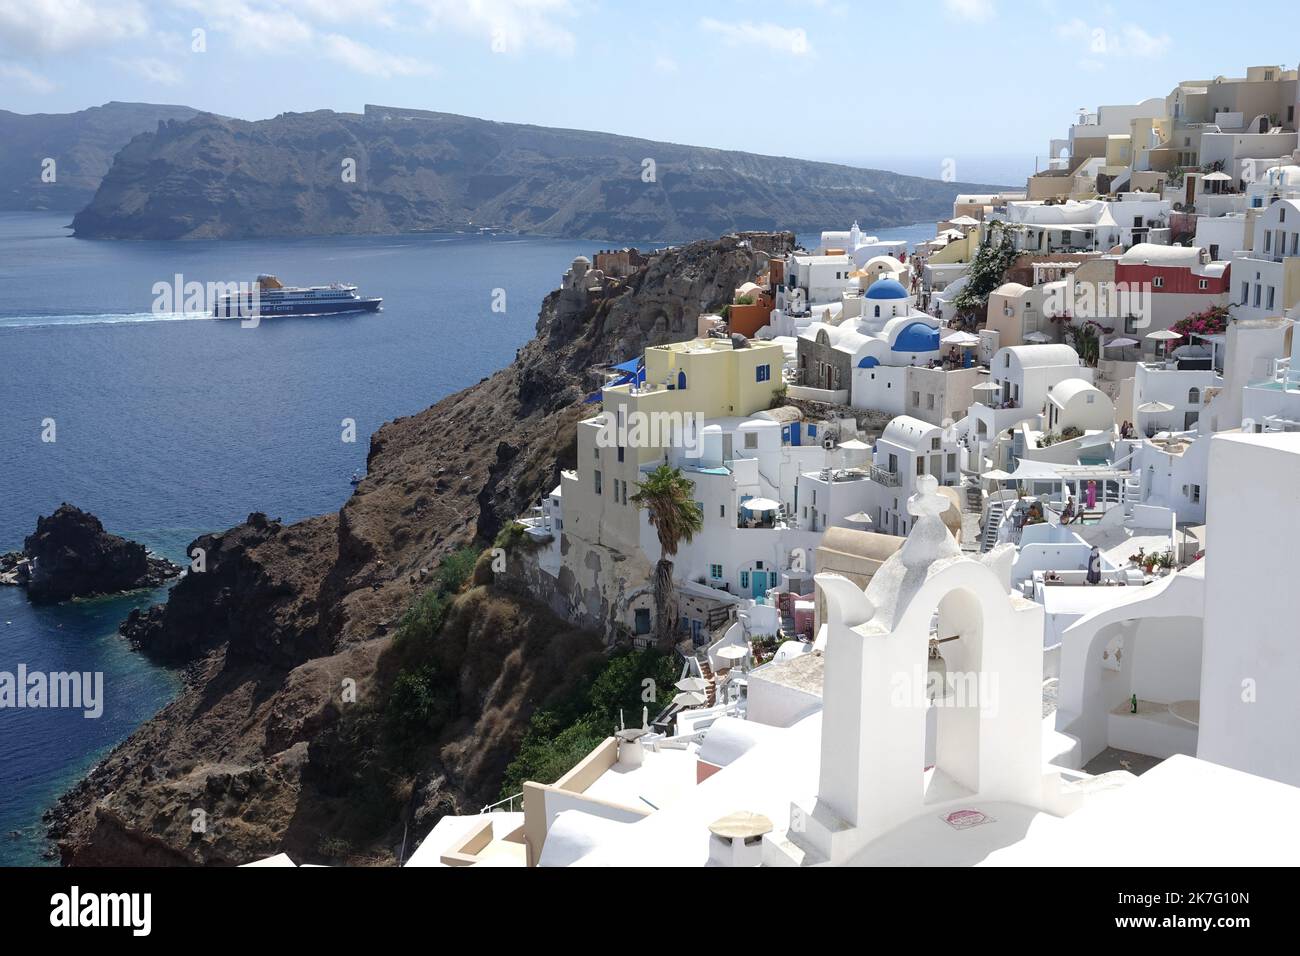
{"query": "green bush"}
pixel 560 736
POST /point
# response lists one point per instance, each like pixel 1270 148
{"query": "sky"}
pixel 974 87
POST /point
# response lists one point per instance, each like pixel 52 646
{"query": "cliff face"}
pixel 421 171
pixel 82 144
pixel 284 615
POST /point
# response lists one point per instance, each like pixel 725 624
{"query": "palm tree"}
pixel 670 500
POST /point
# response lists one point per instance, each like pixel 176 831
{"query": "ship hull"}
pixel 265 309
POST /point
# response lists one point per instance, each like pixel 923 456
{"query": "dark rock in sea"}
pixel 71 555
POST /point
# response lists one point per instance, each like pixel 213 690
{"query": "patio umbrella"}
pixel 859 517
pixel 1217 177
pixel 733 652
pixel 965 221
pixel 986 387
pixel 1039 337
pixel 692 684
pixel 689 698
pixel 961 339
pixel 1164 335
pixel 1121 343
pixel 997 474
pixel 1155 408
pixel 761 504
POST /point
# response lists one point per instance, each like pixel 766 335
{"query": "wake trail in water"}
pixel 131 318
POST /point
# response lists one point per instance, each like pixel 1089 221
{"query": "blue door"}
pixel 759 581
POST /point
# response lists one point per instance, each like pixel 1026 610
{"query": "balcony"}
pixel 882 477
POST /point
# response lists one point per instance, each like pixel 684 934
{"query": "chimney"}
pixel 737 839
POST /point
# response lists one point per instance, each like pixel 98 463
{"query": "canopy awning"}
pixel 1051 471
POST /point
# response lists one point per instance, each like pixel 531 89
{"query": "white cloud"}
pixel 792 40
pixel 33 82
pixel 151 69
pixel 976 11
pixel 360 58
pixel 506 26
pixel 265 27
pixel 1126 40
pixel 56 26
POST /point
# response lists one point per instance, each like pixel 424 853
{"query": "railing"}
pixel 887 478
pixel 509 804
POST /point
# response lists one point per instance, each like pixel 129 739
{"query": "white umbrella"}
pixel 1037 337
pixel 1121 343
pixel 1217 178
pixel 986 387
pixel 1164 335
pixel 854 444
pixel 961 339
pixel 859 517
pixel 733 652
pixel 690 698
pixel 692 683
pixel 761 504
pixel 964 221
pixel 1155 408
pixel 997 474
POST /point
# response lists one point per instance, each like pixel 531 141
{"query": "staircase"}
pixel 992 525
pixel 706 671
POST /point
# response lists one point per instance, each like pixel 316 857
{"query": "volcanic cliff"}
pixel 288 625
pixel 394 170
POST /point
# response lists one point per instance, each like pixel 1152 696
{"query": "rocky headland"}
pixel 283 736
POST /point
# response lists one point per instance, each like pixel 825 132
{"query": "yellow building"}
pixel 702 377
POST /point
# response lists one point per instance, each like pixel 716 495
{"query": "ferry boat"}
pixel 274 298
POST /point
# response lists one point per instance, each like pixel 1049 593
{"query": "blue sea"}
pixel 170 425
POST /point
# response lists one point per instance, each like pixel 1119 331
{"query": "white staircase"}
pixel 992 525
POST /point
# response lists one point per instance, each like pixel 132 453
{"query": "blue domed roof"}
pixel 917 337
pixel 886 289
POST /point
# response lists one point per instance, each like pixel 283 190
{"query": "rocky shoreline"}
pixel 286 617
pixel 70 555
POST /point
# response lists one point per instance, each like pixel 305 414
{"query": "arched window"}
pixel 1194 396
pixel 681 380
pixel 877 311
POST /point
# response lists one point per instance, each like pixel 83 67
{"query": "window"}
pixel 916 398
pixel 1203 284
pixel 1196 493
pixel 1089 398
pixel 812 431
pixel 642 617
pixel 751 439
pixel 1269 298
pixel 722 511
pixel 920 465
pixel 715 572
pixel 598 486
pixel 763 373
pixel 1268 241
pixel 1006 360
pixel 744 579
pixel 952 462
pixel 929 400
pixel 1281 214
pixel 1158 282
pixel 1214 251
pixel 1194 396
pixel 595 453
pixel 625 492
pixel 1245 292
pixel 934 442
pixel 1258 291
pixel 620 452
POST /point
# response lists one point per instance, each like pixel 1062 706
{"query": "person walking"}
pixel 1094 566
